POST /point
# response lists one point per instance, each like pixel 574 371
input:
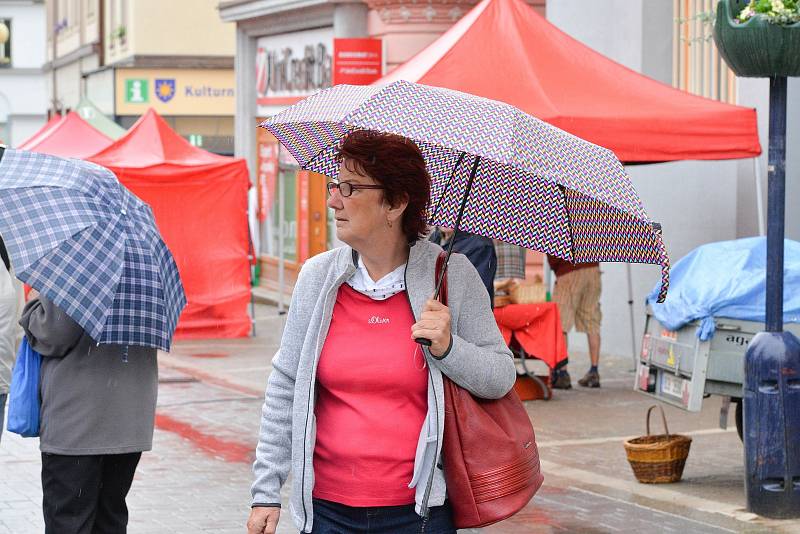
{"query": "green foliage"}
pixel 781 12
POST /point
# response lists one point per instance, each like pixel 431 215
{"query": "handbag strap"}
pixel 440 261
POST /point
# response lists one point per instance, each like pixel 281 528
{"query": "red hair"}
pixel 395 163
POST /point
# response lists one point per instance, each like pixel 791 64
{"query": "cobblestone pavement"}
pixel 197 477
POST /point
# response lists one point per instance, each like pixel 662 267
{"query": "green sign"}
pixel 136 91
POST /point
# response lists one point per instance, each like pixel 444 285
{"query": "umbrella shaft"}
pixel 472 173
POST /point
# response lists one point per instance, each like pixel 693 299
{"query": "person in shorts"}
pixel 577 293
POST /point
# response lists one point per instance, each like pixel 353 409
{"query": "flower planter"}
pixel 756 48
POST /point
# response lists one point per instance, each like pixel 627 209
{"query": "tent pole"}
pixel 629 277
pixel 759 195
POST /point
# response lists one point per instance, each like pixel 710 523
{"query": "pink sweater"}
pixel 372 401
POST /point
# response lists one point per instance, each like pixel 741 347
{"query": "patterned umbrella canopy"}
pixel 80 238
pixel 520 180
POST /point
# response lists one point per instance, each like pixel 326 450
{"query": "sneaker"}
pixel 561 381
pixel 590 380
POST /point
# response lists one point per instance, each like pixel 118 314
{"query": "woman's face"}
pixel 362 217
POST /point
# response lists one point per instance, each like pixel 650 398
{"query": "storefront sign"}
pixel 357 61
pixel 291 66
pixel 186 92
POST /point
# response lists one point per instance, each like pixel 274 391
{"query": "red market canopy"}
pixel 70 137
pixel 200 204
pixel 504 50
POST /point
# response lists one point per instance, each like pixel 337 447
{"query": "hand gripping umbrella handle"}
pixel 441 284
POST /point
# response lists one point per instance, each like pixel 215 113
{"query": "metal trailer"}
pixel 678 368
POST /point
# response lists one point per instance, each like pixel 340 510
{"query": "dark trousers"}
pixel 86 494
pixel 334 518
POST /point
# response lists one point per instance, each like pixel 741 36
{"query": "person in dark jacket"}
pixel 478 250
pixel 97 415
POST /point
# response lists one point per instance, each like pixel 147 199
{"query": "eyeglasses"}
pixel 346 188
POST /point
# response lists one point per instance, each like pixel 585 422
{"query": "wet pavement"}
pixel 197 477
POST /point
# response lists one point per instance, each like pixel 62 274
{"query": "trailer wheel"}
pixel 738 418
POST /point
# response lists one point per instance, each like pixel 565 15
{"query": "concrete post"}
pixel 244 120
pixel 350 20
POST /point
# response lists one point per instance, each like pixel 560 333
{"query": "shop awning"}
pixel 199 200
pixel 504 50
pixel 70 137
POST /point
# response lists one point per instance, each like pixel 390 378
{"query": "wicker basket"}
pixel 530 293
pixel 658 459
pixel 501 300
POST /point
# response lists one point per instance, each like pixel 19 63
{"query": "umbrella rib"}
pixel 325 149
pixel 472 174
pixel 447 185
pixel 569 223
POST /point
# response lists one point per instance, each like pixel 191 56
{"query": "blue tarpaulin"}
pixel 726 279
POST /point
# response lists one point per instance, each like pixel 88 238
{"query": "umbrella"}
pixel 496 171
pixel 84 241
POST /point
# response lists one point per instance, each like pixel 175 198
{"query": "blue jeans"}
pixel 335 518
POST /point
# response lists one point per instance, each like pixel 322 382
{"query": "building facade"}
pixel 23 89
pixel 697 202
pixel 284 52
pixel 129 55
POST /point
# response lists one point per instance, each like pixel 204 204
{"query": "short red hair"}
pixel 396 163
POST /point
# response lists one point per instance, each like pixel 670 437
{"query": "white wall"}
pixel 611 27
pixel 28 39
pixel 23 91
pixel 695 202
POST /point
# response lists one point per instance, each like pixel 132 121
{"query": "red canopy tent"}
pixel 504 50
pixel 71 137
pixel 55 119
pixel 200 203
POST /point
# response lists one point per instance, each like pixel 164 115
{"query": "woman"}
pixel 354 407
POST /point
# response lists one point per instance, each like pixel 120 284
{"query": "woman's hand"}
pixel 263 520
pixel 434 324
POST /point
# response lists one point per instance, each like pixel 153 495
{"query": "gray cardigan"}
pixel 478 360
pixel 96 399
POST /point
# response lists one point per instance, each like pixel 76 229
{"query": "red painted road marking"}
pixel 209 378
pixel 230 451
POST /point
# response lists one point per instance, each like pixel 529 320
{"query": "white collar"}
pixel 388 286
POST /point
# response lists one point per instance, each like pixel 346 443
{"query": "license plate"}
pixel 672 385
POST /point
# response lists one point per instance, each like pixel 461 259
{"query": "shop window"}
pixel 118 23
pixel 286 190
pixel 696 64
pixel 5 43
pixel 90 9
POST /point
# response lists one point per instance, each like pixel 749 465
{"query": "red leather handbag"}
pixel 491 463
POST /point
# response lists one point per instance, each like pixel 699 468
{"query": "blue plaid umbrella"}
pixel 84 241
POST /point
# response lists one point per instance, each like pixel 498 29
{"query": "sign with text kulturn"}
pixel 357 61
pixel 182 92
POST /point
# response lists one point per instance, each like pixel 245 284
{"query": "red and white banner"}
pixel 357 61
